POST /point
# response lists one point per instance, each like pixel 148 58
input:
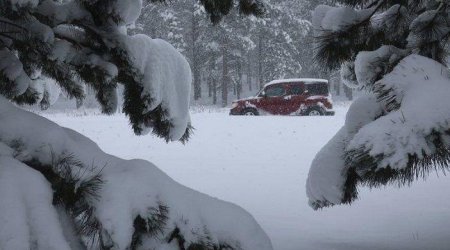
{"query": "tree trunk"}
pixel 197 83
pixel 249 74
pixel 239 82
pixel 214 91
pixel 209 86
pixel 195 57
pixel 260 60
pixel 225 77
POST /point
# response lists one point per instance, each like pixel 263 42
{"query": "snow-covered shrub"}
pixel 58 190
pixel 400 130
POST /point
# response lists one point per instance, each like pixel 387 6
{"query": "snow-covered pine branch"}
pixel 399 131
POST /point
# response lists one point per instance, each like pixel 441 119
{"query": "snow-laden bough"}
pixel 395 137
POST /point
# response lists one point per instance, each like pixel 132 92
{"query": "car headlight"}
pixel 234 105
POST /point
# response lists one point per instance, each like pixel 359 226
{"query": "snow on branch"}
pixel 165 82
pixel 80 43
pixel 378 146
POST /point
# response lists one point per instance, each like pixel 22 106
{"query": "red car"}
pixel 288 97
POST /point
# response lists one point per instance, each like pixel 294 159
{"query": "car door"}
pixel 273 100
pixel 296 96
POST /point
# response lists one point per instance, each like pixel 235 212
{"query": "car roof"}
pixel 304 80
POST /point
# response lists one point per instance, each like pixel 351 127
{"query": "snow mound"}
pixel 131 189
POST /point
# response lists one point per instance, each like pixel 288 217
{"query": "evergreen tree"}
pixel 280 35
pixel 396 51
pixel 234 43
pixel 58 190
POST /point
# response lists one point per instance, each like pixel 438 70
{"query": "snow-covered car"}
pixel 302 96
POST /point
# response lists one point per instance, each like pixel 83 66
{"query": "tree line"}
pixel 239 54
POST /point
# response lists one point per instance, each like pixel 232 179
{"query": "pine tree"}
pixel 58 190
pixel 396 51
pixel 234 43
pixel 279 35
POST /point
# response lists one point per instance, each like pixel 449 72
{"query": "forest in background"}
pixel 235 57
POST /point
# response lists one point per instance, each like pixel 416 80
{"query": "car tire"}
pixel 314 111
pixel 250 112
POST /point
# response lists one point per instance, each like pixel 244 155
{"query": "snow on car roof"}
pixel 304 80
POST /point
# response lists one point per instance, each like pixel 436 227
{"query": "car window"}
pixel 296 89
pixel 317 88
pixel 273 91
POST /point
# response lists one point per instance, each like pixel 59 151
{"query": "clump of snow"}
pixel 41 31
pixel 12 68
pixel 327 174
pixel 62 12
pixel 389 18
pixel 319 14
pixel 166 79
pixel 348 76
pixel 131 188
pixel 52 89
pixel 335 18
pixel 96 61
pixel 62 51
pixel 128 10
pixel 362 111
pixel 370 64
pixel 440 26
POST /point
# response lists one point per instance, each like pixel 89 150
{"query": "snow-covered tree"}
pixel 278 35
pixel 163 21
pixel 58 190
pixel 233 44
pixel 399 131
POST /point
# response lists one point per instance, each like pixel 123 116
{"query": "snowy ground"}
pixel 261 163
